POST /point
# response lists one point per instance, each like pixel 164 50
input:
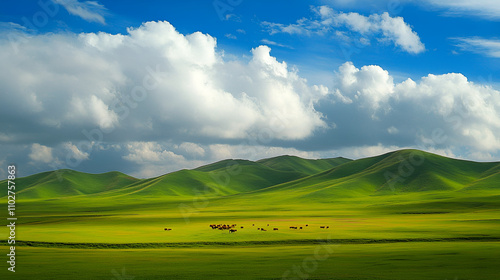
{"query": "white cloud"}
pixel 467 114
pixel 192 149
pixel 488 47
pixel 41 153
pixel 231 36
pixel 147 152
pixel 381 26
pixel 75 153
pixel 153 159
pixel 153 80
pixel 371 85
pixel 89 10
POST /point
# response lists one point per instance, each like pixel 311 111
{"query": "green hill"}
pixel 65 182
pixel 285 177
pixel 297 164
pixel 397 172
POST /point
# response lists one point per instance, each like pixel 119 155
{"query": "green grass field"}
pixel 389 217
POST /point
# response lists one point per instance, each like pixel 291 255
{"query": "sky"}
pixel 151 87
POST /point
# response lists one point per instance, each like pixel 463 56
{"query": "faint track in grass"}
pixel 21 243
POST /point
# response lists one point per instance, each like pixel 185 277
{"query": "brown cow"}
pixel 275 228
pixel 233 230
pixel 263 229
pixel 321 226
pixel 167 229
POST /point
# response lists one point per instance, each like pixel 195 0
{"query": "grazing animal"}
pixel 307 225
pixel 167 229
pixel 258 228
pixel 321 226
pixel 327 226
pixel 241 227
pixel 253 225
pixel 293 227
pixel 233 230
pixel 275 228
pixel 300 228
pixel 267 224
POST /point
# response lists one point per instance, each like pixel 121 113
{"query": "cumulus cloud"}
pixel 153 159
pixel 381 26
pixel 152 81
pixel 437 110
pixel 143 152
pixel 74 152
pixel 488 47
pixel 41 153
pixel 371 85
pixel 88 10
pixel 192 149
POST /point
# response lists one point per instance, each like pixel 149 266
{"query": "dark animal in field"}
pixel 167 229
pixel 293 227
pixel 241 227
pixel 263 229
pixel 327 226
pixel 275 228
pixel 307 225
pixel 267 224
pixel 233 230
pixel 253 225
pixel 321 226
pixel 258 228
pixel 300 228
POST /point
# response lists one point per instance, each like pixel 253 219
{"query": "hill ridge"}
pixel 401 171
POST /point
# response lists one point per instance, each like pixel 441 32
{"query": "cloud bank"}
pixel 153 82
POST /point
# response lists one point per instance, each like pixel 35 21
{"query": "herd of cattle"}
pixel 232 228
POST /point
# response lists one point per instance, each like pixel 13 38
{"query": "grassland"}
pixel 402 215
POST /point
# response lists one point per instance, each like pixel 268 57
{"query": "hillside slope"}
pixel 306 166
pixel 65 182
pixel 404 171
pixel 283 177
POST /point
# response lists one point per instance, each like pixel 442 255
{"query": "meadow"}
pixel 114 229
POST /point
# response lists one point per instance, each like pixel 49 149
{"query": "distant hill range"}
pixel 388 174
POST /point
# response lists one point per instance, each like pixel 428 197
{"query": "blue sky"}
pixel 244 79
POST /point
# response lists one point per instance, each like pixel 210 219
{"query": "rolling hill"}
pixel 221 178
pixel 398 172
